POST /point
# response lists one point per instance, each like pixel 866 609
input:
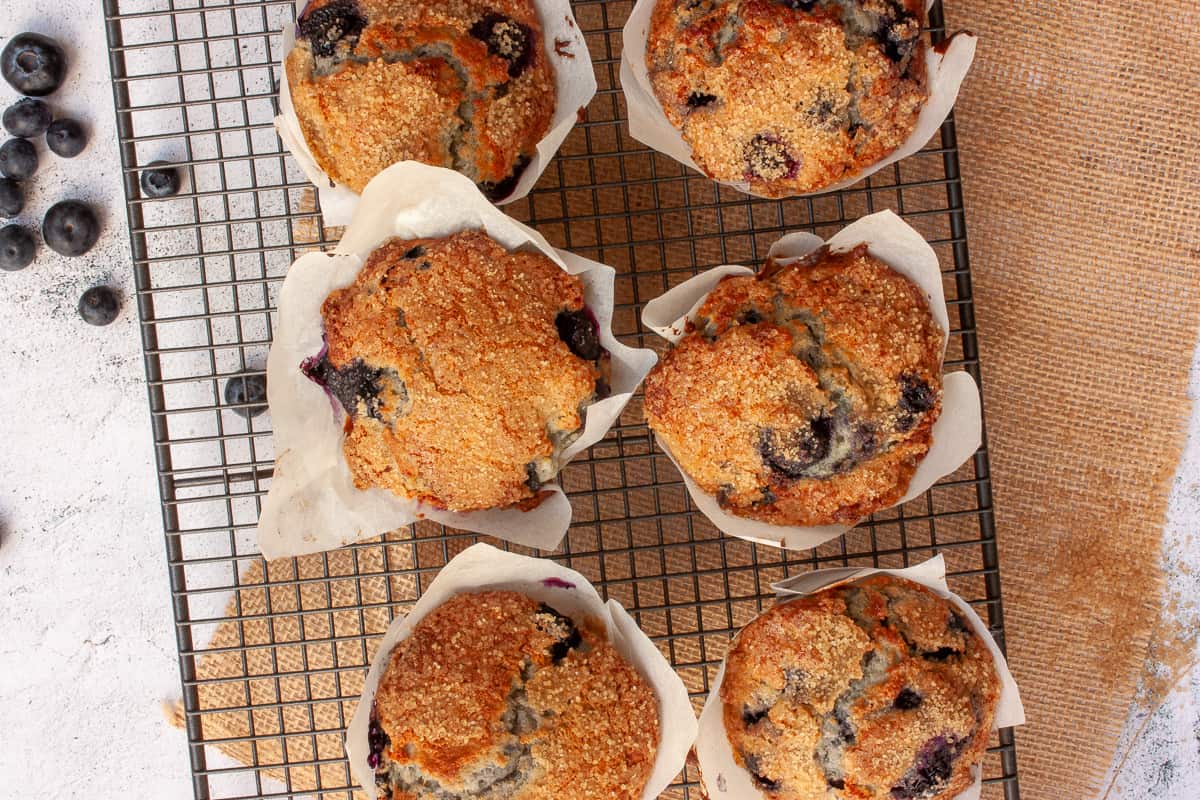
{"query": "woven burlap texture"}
pixel 1079 136
pixel 1080 148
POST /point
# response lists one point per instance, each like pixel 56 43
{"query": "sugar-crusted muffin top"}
pixel 463 84
pixel 874 690
pixel 498 697
pixel 805 394
pixel 464 369
pixel 790 96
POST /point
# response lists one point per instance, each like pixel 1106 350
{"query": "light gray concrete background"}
pixel 87 648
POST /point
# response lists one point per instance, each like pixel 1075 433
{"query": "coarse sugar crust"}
pixel 494 695
pixel 874 690
pixel 790 96
pixel 805 394
pixel 463 84
pixel 447 356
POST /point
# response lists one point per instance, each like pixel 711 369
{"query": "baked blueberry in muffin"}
pixel 463 84
pixel 464 370
pixel 805 394
pixel 874 690
pixel 789 96
pixel 498 697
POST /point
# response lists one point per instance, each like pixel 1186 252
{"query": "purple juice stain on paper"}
pixel 557 583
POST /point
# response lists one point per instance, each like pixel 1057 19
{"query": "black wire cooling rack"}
pixel 272 658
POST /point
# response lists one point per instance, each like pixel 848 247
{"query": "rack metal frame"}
pixel 195 82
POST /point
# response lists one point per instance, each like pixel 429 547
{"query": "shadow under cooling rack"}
pixel 272 657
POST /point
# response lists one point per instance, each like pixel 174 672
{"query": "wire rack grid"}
pixel 272 657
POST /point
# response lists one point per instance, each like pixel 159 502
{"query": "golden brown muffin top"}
pixel 494 695
pixel 874 690
pixel 805 394
pixel 464 369
pixel 463 84
pixel 790 96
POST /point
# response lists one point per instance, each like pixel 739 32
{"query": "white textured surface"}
pixel 87 649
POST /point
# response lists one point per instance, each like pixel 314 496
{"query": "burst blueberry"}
pixel 700 99
pixel 70 228
pixel 768 159
pixel 99 305
pixel 498 190
pixel 18 159
pixel 27 117
pixel 506 38
pixel 794 453
pixel 907 700
pixel 12 197
pixel 564 627
pixel 333 24
pixel 66 138
pixel 933 768
pixel 160 179
pixel 17 248
pixel 33 64
pixel 247 394
pixel 580 332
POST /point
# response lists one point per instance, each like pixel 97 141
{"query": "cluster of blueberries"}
pixel 35 66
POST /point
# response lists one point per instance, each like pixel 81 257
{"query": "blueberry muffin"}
pixel 498 697
pixel 464 370
pixel 805 394
pixel 875 690
pixel 789 96
pixel 463 84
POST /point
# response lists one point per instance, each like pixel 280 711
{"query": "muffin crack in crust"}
pixel 789 96
pixel 497 697
pixel 806 394
pixel 464 84
pixel 464 369
pixel 875 690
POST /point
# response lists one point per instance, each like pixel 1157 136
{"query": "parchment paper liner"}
pixel 724 779
pixel 575 85
pixel 956 434
pixel 313 504
pixel 650 126
pixel 482 567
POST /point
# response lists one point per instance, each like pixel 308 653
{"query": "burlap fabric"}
pixel 1079 147
pixel 1079 135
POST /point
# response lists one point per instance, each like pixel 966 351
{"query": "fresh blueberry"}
pixel 27 117
pixel 579 330
pixel 498 190
pixel 796 452
pixel 562 626
pixel 933 767
pixel 768 159
pixel 328 25
pixel 160 179
pixel 248 393
pixel 700 99
pixel 66 138
pixel 18 159
pixel 907 700
pixel 99 305
pixel 506 38
pixel 33 64
pixel 12 198
pixel 17 248
pixel 70 228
